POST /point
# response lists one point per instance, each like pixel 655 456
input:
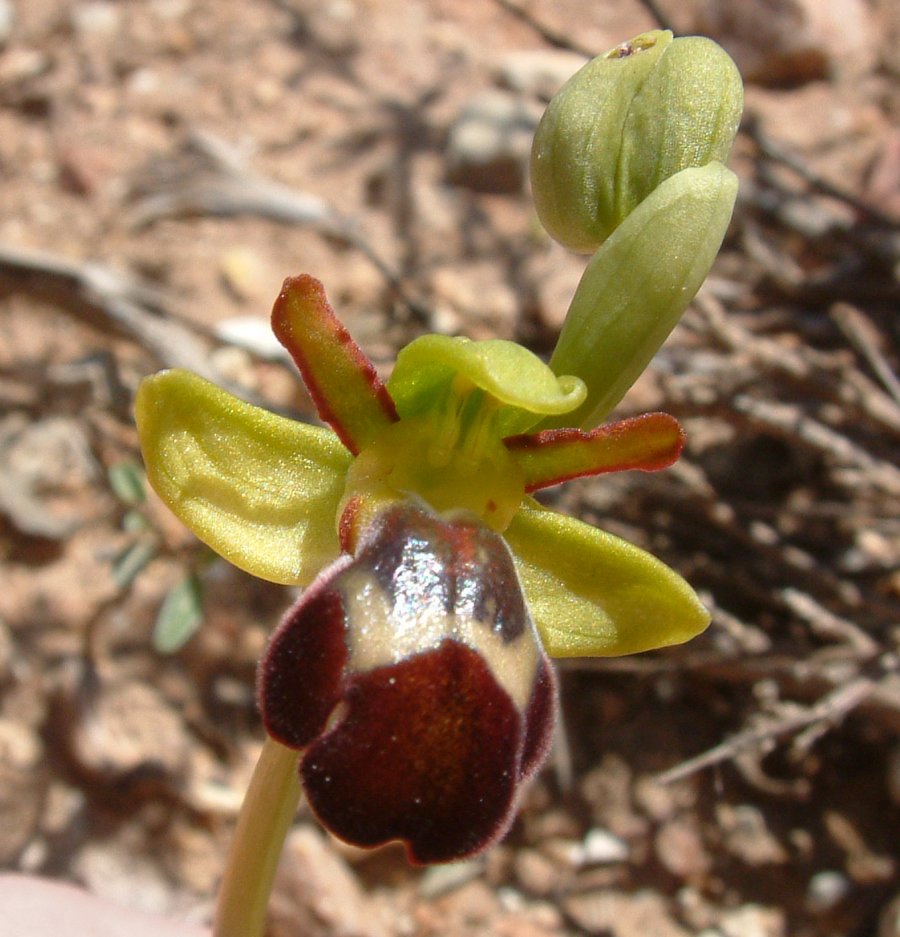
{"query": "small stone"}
pixel 889 922
pixel 120 870
pixel 490 142
pixel 536 873
pixel 752 920
pixel 194 858
pixel 658 801
pixel 317 895
pixel 21 64
pixel 563 852
pixel 7 21
pixel 539 72
pixel 679 847
pixel 22 784
pixel 601 847
pixel 607 789
pixel 46 469
pixel 245 274
pixel 748 837
pixel 96 20
pixel 61 808
pixel 441 879
pixel 825 891
pixel 253 334
pixel 791 41
pixel 619 915
pixel 472 908
pixel 128 730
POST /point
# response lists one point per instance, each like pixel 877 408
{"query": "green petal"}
pixel 594 595
pixel 261 490
pixel 508 372
pixel 638 284
pixel 341 380
pixel 648 442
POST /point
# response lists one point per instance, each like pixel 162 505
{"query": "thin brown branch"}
pixel 832 708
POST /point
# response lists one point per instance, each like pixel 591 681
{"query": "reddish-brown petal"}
pixel 301 674
pixel 428 752
pixel 539 720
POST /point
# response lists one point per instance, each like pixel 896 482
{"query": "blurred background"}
pixel 164 164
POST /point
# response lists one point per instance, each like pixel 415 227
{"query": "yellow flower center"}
pixel 452 457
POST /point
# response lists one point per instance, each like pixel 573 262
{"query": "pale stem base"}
pixel 266 815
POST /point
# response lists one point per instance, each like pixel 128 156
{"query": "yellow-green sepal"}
pixel 517 379
pixel 594 595
pixel 638 284
pixel 261 490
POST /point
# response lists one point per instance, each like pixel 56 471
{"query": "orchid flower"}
pixel 439 585
pixel 410 687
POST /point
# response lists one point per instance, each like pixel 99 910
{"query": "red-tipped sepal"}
pixel 648 442
pixel 341 380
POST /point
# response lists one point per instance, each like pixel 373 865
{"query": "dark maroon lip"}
pixel 429 744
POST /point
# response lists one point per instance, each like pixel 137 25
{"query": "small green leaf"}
pixel 179 616
pixel 134 522
pixel 131 561
pixel 127 482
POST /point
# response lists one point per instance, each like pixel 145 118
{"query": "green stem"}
pixel 266 815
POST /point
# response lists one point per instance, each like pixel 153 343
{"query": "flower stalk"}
pixel 266 815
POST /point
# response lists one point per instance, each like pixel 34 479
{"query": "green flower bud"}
pixel 626 122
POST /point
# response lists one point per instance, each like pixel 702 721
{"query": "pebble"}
pixel 826 890
pixel 96 20
pixel 490 142
pixel 21 787
pixel 316 894
pixel 537 874
pixel 128 729
pixel 889 921
pixel 245 273
pixel 21 64
pixel 750 920
pixel 747 836
pixel 601 847
pixel 538 72
pixel 7 21
pixel 614 914
pixel 679 847
pixel 794 41
pixel 253 334
pixel 119 869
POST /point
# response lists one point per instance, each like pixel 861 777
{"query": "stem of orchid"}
pixel 266 814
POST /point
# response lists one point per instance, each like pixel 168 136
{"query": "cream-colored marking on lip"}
pixel 379 638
